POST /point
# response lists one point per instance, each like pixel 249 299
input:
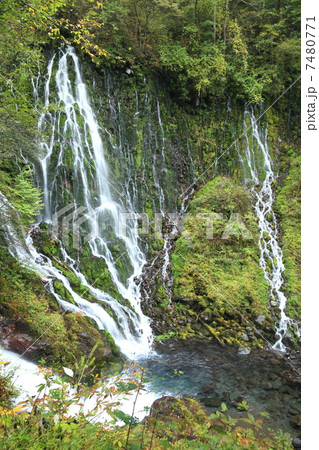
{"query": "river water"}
pixel 204 370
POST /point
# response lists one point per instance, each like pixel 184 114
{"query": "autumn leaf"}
pixel 17 409
pixel 242 440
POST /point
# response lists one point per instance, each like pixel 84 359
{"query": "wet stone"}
pixel 263 396
pixel 260 319
pixel 226 397
pixel 272 376
pixel 274 396
pixel 296 422
pixel 208 388
pixel 243 351
pixel 293 412
pixel 296 443
pixel 252 382
pixel 211 402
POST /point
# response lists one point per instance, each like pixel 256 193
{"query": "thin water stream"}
pixel 259 175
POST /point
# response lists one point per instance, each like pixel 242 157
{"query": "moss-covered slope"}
pixel 288 208
pixel 217 279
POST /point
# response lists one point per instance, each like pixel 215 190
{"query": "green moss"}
pixel 220 278
pixel 288 208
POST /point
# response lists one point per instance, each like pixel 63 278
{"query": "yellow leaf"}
pixel 17 409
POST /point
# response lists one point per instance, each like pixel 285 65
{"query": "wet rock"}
pixel 272 376
pixel 226 397
pixel 208 388
pixel 102 354
pixel 294 412
pixel 14 337
pixel 211 402
pixel 243 351
pixel 274 396
pixel 292 379
pixel 296 422
pixel 286 390
pixel 296 443
pixel 276 361
pixel 268 386
pixel 276 384
pixel 260 319
pixel 252 381
pixel 287 341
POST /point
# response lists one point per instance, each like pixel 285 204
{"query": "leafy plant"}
pixel 242 406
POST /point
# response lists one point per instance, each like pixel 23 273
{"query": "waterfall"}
pixel 259 175
pixel 75 144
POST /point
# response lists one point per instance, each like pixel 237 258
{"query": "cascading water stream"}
pixel 259 175
pixel 75 136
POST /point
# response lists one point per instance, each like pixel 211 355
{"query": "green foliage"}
pixel 19 190
pixel 7 389
pixel 175 57
pixel 210 48
pixel 19 59
pixel 243 406
pixel 165 337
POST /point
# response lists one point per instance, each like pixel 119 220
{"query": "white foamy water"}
pixel 27 378
pixel 259 175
